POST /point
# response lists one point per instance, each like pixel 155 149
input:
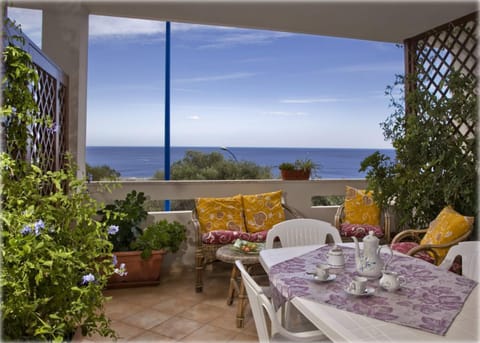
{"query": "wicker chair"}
pixel 425 251
pixel 385 224
pixel 206 253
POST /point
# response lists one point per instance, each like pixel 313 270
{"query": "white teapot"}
pixel 369 263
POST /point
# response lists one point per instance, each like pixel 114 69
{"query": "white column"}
pixel 65 41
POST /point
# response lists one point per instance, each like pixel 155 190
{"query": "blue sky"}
pixel 232 87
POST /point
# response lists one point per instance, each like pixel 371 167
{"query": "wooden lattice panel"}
pixel 43 142
pixel 433 55
pixel 62 125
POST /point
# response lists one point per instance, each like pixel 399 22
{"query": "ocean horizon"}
pixel 143 162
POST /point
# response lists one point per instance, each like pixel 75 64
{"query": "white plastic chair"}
pixel 302 231
pixel 259 304
pixel 469 251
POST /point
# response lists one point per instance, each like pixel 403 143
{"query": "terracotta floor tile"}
pixel 121 309
pixel 177 327
pixel 202 312
pixel 209 333
pixel 173 312
pixel 149 336
pixel 125 331
pixel 243 337
pixel 174 306
pixel 228 320
pixel 146 319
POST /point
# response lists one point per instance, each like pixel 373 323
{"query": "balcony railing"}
pixel 297 194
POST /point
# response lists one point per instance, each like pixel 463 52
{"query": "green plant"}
pixel 435 164
pixel 304 165
pixel 196 165
pixel 125 216
pixel 56 258
pixel 286 166
pixel 99 173
pixel 161 235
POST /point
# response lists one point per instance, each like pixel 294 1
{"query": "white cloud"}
pixel 285 114
pixel 243 37
pixel 194 117
pixel 310 100
pixel 103 26
pixel 231 76
pixel 30 21
pixel 394 67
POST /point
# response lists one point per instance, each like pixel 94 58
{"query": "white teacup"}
pixel 391 281
pixel 322 271
pixel 358 285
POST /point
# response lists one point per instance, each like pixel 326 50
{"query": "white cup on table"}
pixel 358 285
pixel 322 271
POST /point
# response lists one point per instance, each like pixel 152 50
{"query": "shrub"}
pixel 103 172
pixel 56 257
pixel 436 164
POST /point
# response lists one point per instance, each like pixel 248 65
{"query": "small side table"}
pixel 229 255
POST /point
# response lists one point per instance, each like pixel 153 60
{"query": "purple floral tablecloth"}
pixel 430 300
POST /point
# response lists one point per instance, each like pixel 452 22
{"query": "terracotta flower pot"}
pixel 140 272
pixel 295 174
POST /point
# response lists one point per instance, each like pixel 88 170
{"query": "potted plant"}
pixel 299 170
pixel 139 251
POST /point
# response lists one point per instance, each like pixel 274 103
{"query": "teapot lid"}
pixel 336 248
pixel 370 237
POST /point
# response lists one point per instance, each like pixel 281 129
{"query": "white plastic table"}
pixel 344 326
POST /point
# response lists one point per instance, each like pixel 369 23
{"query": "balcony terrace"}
pixel 173 311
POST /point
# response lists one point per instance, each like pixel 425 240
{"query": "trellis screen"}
pixel 48 146
pixel 433 55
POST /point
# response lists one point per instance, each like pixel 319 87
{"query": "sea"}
pixel 143 162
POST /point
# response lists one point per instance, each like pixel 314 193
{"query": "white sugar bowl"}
pixel 335 257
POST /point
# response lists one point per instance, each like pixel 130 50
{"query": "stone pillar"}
pixel 65 41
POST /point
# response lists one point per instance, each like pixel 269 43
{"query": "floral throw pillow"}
pixel 360 230
pixel 262 211
pixel 448 226
pixel 220 213
pixel 360 207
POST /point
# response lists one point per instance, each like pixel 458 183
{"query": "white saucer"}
pixel 334 266
pixel 368 291
pixel 331 277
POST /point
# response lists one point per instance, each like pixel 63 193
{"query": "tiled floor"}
pixel 174 312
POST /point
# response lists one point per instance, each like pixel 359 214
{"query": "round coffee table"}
pixel 229 255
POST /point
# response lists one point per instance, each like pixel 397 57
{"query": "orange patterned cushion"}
pixel 220 213
pixel 360 208
pixel 448 226
pixel 262 211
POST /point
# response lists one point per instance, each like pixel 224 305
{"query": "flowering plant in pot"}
pixel 299 170
pixel 139 252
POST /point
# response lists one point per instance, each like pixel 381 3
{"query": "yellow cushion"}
pixel 360 207
pixel 220 213
pixel 448 226
pixel 262 211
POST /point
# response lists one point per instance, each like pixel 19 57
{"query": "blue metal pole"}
pixel 167 108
